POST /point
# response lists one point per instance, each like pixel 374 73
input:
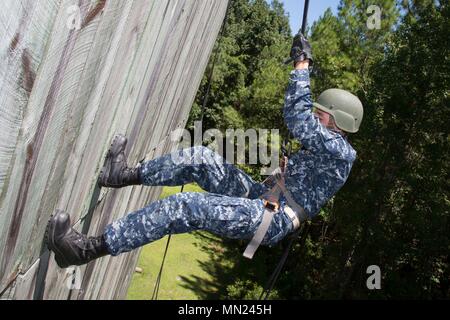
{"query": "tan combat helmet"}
pixel 346 108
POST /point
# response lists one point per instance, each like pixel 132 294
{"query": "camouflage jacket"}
pixel 320 169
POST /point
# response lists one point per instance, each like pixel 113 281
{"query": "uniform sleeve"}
pixel 301 121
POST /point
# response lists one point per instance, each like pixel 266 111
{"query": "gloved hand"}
pixel 301 50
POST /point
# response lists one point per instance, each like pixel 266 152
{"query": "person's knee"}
pixel 185 210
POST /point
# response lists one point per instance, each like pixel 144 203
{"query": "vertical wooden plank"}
pixel 43 130
pixel 73 89
pixel 23 43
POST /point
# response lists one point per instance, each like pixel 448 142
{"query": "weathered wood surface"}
pixel 133 67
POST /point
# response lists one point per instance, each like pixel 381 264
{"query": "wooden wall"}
pixel 133 67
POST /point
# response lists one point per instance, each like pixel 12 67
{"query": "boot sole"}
pixel 118 145
pixel 49 240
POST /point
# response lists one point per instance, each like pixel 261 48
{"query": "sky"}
pixel 316 9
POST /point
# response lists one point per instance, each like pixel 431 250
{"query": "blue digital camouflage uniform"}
pixel 231 207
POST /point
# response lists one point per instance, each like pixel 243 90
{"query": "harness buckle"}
pixel 274 206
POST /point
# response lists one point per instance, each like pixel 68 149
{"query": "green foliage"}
pixel 345 48
pixel 394 209
pixel 266 94
pixel 249 77
pixel 332 63
pixel 408 140
pixel 247 290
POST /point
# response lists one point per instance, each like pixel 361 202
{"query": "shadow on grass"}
pixel 226 266
pixel 230 275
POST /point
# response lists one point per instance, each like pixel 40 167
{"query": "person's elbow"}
pixel 300 124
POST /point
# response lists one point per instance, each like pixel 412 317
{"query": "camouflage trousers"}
pixel 230 208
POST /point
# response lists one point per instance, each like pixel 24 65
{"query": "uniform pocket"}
pixel 233 217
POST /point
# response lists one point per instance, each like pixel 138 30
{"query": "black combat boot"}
pixel 70 246
pixel 115 172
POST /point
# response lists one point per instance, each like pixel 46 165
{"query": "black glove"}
pixel 301 50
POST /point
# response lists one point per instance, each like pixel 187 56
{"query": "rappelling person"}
pixel 234 205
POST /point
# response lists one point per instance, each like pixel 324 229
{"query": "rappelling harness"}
pixel 272 206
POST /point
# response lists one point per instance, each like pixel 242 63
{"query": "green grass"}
pixel 183 264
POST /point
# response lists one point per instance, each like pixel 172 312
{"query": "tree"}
pixel 394 209
pixel 406 198
pixel 345 48
pixel 254 29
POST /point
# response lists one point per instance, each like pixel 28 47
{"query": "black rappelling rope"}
pixel 305 16
pixel 202 114
pixel 287 150
pixel 158 279
pixel 299 234
pixel 302 231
